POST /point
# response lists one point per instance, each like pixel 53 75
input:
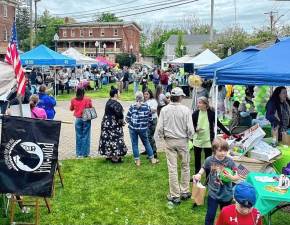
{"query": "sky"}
pixel 249 13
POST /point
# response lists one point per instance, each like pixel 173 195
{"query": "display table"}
pixel 267 201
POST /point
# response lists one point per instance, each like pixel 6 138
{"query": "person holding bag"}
pixel 82 127
pixel 220 188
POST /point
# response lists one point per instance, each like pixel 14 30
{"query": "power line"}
pixel 147 11
pixel 139 13
pixel 133 8
pixel 91 10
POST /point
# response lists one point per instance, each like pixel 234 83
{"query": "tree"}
pixel 23 27
pixel 108 17
pixel 49 26
pixel 125 59
pixel 180 46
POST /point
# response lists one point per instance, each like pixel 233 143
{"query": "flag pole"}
pixel 19 98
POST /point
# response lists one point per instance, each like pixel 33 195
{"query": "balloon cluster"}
pixel 194 81
pixel 239 93
pixel 262 95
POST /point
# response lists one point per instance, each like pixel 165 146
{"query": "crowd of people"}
pixel 159 114
pixel 176 124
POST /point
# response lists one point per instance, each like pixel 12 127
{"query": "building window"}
pixel 64 33
pixel 102 32
pixel 115 32
pixel 5 34
pixel 72 33
pixel 5 10
pixel 81 33
pixel 90 33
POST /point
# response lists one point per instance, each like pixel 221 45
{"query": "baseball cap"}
pixel 177 92
pixel 245 194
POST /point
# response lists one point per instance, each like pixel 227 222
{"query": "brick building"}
pixel 7 14
pixel 118 37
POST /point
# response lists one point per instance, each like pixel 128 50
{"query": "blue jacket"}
pixel 47 103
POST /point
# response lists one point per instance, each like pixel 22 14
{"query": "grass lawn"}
pixel 98 192
pixel 104 93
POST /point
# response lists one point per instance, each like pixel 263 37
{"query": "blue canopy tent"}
pixel 208 71
pixel 42 55
pixel 270 66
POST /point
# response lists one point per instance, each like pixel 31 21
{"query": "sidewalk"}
pixel 67 135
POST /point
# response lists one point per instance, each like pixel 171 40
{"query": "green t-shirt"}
pixel 201 139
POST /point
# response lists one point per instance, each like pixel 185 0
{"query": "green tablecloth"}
pixel 266 200
pixel 284 159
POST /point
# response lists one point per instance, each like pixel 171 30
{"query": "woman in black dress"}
pixel 112 143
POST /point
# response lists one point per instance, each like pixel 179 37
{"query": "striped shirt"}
pixel 139 118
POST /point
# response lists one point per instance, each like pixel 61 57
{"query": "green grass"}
pixel 98 192
pixel 104 93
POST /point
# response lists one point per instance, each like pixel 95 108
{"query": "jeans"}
pixel 134 134
pixel 151 131
pixel 83 137
pixel 136 86
pixel 126 85
pixel 212 205
pixel 164 87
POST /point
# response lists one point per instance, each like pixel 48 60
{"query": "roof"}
pixel 189 39
pixel 101 24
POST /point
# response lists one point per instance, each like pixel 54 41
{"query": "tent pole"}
pixel 55 83
pixel 216 105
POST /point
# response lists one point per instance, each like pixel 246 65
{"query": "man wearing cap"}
pixel 175 126
pixel 241 213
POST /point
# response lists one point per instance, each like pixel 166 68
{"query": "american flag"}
pixel 13 59
pixel 242 171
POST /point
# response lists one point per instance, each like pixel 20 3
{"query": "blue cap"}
pixel 245 194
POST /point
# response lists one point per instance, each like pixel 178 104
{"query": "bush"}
pixel 125 59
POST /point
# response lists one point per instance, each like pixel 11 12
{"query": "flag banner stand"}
pixel 33 203
pixel 29 161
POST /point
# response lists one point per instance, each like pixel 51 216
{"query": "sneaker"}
pixel 154 161
pixel 173 200
pixel 138 162
pixel 185 196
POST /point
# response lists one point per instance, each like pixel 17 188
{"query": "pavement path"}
pixel 67 136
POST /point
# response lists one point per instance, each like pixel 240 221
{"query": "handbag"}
pixel 89 114
pixel 198 193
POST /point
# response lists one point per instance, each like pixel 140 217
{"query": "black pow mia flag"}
pixel 28 155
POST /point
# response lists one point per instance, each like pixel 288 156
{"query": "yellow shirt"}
pixel 201 138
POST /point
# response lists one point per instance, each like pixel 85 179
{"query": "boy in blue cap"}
pixel 241 213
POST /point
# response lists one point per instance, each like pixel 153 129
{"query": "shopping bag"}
pixel 198 193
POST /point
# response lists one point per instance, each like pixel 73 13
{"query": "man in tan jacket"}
pixel 176 128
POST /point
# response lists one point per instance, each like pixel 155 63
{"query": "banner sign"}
pixel 28 155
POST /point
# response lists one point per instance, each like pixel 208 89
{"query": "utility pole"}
pixel 211 20
pixel 31 25
pixel 35 19
pixel 271 14
pixel 235 4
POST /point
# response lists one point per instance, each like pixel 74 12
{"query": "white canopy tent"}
pixel 205 58
pixel 80 58
pixel 181 60
pixel 7 79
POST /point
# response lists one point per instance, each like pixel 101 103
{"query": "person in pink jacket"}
pixel 36 112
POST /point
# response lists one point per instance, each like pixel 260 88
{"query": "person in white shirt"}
pixel 152 103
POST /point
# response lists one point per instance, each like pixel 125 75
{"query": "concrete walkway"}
pixel 67 136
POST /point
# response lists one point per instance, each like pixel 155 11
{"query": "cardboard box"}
pixel 285 139
pixel 263 151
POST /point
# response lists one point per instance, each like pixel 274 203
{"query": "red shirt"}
pixel 230 216
pixel 78 106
